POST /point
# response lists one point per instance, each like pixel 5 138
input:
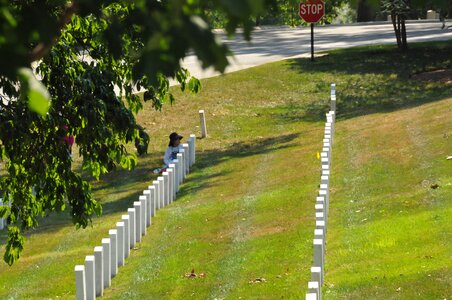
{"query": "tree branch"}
pixel 42 49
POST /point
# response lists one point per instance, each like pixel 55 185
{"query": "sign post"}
pixel 311 11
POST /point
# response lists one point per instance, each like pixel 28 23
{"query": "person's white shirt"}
pixel 171 154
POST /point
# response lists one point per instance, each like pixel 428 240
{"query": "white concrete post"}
pixel 319 254
pixel 113 233
pixel 153 196
pixel 132 227
pixel 138 220
pixel 333 115
pixel 120 227
pixel 314 288
pixel 319 216
pixel 324 193
pixel 174 173
pixel 193 152
pixel 319 208
pixel 157 195
pixel 320 225
pixel 144 209
pixel 107 262
pixel 177 173
pixel 147 197
pixel 311 296
pixel 187 157
pixel 166 189
pixel 99 270
pixel 329 120
pixel 179 169
pixel 329 126
pixel 194 148
pixel 90 277
pixel 171 184
pixel 316 275
pixel 161 191
pixel 318 234
pixel 182 163
pixel 127 240
pixel 80 287
pixel 325 161
pixel 202 118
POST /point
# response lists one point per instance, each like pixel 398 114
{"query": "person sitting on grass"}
pixel 174 147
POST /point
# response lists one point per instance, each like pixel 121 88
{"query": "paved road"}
pixel 277 43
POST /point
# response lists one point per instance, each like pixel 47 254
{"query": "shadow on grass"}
pixel 244 149
pixel 201 180
pixel 132 183
pixel 377 79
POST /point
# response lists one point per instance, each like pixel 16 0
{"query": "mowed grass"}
pixel 390 233
pixel 244 219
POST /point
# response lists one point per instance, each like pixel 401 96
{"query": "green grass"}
pixel 246 210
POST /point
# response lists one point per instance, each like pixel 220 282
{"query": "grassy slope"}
pixel 246 210
pixel 390 235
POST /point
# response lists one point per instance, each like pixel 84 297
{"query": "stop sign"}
pixel 312 10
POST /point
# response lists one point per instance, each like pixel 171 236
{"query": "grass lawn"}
pixel 245 217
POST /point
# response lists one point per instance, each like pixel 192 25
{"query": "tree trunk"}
pixel 394 19
pixel 258 20
pixel 403 35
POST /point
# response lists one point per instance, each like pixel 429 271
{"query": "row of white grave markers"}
pixel 322 206
pixel 95 275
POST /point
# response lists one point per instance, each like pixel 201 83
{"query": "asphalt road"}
pixel 276 43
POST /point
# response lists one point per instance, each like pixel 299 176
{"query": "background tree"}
pixel 401 10
pixel 89 57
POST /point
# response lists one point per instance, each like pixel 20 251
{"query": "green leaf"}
pixel 7 15
pixel 14 245
pixel 38 96
pixel 194 85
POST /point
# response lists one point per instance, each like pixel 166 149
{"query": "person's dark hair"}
pixel 174 137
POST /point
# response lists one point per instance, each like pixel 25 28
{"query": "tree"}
pixel 82 51
pixel 400 10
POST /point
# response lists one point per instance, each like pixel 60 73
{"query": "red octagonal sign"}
pixel 312 10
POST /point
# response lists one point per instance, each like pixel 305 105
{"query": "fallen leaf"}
pixel 258 280
pixel 191 275
pixel 434 186
pixel 399 289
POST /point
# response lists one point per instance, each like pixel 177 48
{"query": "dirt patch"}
pixel 442 75
pixel 258 232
